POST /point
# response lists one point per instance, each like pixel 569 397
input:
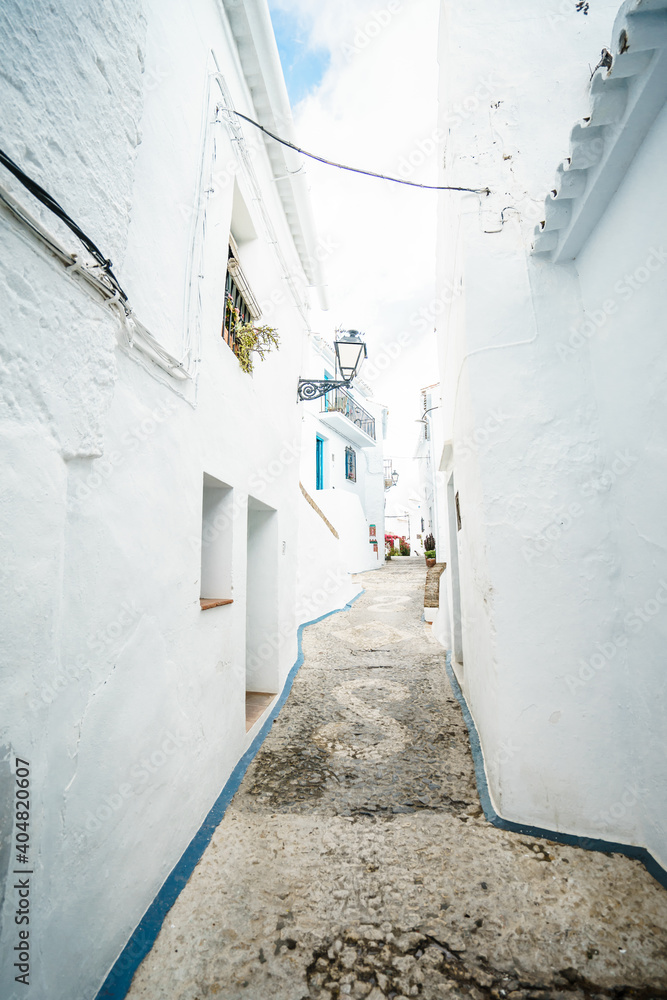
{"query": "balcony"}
pixel 346 416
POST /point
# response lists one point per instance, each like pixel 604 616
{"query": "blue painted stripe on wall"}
pixel 119 980
pixel 587 843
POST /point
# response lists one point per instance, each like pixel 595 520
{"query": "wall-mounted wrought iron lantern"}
pixel 390 475
pixel 350 352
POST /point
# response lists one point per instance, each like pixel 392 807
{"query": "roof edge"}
pixel 251 26
pixel 628 89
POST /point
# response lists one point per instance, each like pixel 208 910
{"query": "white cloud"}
pixel 376 102
pixel 331 22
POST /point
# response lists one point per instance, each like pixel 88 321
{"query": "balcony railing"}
pixel 340 401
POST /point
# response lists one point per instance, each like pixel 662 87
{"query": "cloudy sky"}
pixel 362 78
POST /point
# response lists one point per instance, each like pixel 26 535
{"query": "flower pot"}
pixel 430 563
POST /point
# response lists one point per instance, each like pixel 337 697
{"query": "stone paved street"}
pixel 355 859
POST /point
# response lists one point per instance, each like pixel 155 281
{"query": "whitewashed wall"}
pixel 125 697
pixel 428 454
pixel 627 358
pixel 326 563
pixel 557 460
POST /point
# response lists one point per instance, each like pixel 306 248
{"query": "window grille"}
pixel 240 304
pixel 351 465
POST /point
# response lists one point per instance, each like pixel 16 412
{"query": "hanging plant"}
pixel 254 340
pixel 249 339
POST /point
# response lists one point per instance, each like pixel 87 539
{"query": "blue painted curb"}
pixel 119 980
pixel 587 843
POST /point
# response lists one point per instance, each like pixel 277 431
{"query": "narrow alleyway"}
pixel 355 859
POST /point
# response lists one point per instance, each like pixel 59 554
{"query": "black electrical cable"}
pixel 45 198
pixel 357 170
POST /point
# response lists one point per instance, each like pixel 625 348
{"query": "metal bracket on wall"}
pixel 313 388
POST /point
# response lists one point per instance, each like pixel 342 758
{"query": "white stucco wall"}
pixel 125 697
pixel 326 563
pixel 441 628
pixel 627 362
pixel 558 543
pixel 428 455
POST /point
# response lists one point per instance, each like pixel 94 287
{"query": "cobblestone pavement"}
pixel 355 860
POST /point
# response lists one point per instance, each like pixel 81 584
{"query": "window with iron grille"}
pixel 240 304
pixel 351 465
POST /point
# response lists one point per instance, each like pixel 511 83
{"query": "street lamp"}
pixel 390 475
pixel 350 352
pixel 423 420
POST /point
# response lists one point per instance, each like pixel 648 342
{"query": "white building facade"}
pixel 427 457
pixel 341 514
pixel 148 516
pixel 553 383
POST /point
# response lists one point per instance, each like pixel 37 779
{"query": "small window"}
pixel 351 465
pixel 319 463
pixel 216 543
pixel 240 304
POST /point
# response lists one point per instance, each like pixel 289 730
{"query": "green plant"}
pixel 249 339
pixel 258 339
pixel 393 551
pixel 429 553
pixel 404 547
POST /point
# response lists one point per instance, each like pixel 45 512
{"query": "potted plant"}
pixel 429 550
pixel 249 338
pixel 430 557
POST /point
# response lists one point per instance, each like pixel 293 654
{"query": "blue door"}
pixel 319 463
